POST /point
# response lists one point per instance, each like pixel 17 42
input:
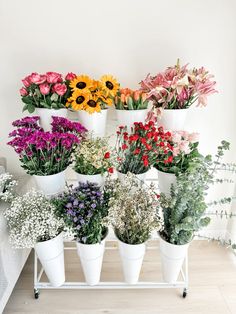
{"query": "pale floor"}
pixel 212 288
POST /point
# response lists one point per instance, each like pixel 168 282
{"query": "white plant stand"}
pixel 40 285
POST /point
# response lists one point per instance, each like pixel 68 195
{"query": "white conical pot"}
pixel 132 258
pixel 95 122
pixel 128 117
pixel 46 116
pixel 173 119
pixel 96 178
pixel 51 184
pixel 172 258
pixel 51 256
pixel 91 257
pixel 140 177
pixel 165 180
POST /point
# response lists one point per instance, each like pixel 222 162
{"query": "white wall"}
pixel 128 38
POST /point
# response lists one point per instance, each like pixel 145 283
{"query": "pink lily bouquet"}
pixel 49 90
pixel 179 87
pixel 45 153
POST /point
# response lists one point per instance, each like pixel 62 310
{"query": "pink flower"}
pixel 44 89
pixel 60 89
pixel 36 78
pixel 53 77
pixel 193 137
pixel 176 137
pixel 184 147
pixel 176 151
pixel 26 81
pixel 70 76
pixel 23 92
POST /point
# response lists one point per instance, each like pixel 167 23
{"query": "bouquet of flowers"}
pixel 179 87
pixel 128 99
pixel 132 211
pixel 138 151
pixel 184 150
pixel 82 210
pixel 93 156
pixel 31 218
pixel 7 187
pixel 91 95
pixel 49 90
pixel 45 153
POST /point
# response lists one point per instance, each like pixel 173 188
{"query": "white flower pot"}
pixel 128 117
pixel 173 119
pixel 51 184
pixel 91 257
pixel 95 122
pixel 165 180
pixel 96 178
pixel 140 177
pixel 46 116
pixel 51 256
pixel 132 258
pixel 172 258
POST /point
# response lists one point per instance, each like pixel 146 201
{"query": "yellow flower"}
pixel 95 86
pixel 92 105
pixel 81 82
pixel 109 84
pixel 78 99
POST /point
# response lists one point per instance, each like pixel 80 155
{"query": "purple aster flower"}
pixel 93 205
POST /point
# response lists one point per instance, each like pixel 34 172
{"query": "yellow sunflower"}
pixel 102 99
pixel 109 84
pixel 95 86
pixel 81 82
pixel 92 105
pixel 78 99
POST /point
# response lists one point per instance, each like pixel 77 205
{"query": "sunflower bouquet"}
pixel 92 95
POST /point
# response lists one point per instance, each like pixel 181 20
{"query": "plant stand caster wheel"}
pixel 36 293
pixel 185 292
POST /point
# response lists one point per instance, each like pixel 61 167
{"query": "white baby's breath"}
pixel 7 187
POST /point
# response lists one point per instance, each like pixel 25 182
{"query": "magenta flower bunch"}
pixel 45 153
pixel 179 87
pixel 49 90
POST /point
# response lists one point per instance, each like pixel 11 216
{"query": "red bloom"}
pixel 158 195
pixel 124 146
pixel 162 144
pixel 110 170
pixel 121 127
pixel 107 155
pixel 149 147
pixel 137 151
pixel 126 136
pixel 168 134
pixel 170 159
pixel 149 135
pixel 143 140
pixel 145 162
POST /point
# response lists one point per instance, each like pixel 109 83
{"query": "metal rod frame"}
pixel 38 285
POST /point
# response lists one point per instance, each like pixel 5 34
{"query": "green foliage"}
pixel 185 210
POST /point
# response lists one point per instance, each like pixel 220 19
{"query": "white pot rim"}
pixel 136 174
pixel 84 244
pixel 51 240
pixel 176 109
pixel 89 175
pixel 49 175
pixel 51 109
pixel 131 110
pixel 170 173
pixel 171 244
pixel 128 244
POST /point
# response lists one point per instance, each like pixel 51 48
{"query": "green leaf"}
pixel 54 97
pixel 26 99
pixel 45 105
pixel 31 108
pixel 25 108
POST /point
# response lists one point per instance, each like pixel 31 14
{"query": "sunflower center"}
pixel 92 103
pixel 79 100
pixel 109 85
pixel 81 85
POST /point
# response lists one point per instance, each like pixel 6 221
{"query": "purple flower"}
pixel 93 205
pixel 81 205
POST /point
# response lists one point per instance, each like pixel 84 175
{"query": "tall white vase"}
pixel 96 178
pixel 132 258
pixel 128 117
pixel 51 256
pixel 95 122
pixel 46 116
pixel 51 184
pixel 172 258
pixel 173 119
pixel 140 177
pixel 165 180
pixel 91 257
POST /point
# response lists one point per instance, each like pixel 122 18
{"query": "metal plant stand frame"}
pixel 38 285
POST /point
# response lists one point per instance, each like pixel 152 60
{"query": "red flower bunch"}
pixel 139 150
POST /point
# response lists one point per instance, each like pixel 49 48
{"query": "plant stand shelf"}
pixel 40 285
